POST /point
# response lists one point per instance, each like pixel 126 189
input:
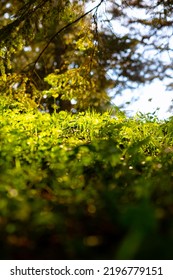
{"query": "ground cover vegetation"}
pixel 90 185
pixel 76 174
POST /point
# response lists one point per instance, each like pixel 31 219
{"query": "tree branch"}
pixel 64 28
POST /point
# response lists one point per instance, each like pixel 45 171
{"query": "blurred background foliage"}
pixel 90 56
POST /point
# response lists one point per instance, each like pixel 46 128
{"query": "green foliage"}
pixel 46 39
pixel 92 185
pixel 37 26
pixel 79 85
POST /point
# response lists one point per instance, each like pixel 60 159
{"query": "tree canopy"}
pixel 58 55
